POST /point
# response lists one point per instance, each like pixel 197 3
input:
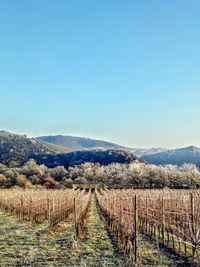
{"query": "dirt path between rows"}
pixel 98 250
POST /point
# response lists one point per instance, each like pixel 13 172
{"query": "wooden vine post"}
pixel 136 228
pixel 146 219
pixel 120 218
pixel 192 222
pixel 163 220
pixel 75 220
pixel 192 212
pixel 31 210
pixel 48 211
pixel 22 208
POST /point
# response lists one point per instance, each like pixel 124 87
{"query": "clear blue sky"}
pixel 124 71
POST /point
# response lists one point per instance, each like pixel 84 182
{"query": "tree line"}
pixel 135 174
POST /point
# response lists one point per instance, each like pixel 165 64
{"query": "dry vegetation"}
pixel 171 217
pixel 133 175
pixel 52 206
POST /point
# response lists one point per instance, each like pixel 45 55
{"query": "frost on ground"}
pixel 26 244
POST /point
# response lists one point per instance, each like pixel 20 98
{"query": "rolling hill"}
pixel 141 152
pixel 55 148
pixel 79 143
pixel 178 156
pixel 152 155
pixel 17 149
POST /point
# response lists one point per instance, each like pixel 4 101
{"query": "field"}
pixel 101 228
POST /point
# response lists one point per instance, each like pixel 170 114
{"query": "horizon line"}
pixel 99 139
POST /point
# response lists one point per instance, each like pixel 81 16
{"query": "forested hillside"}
pixel 103 157
pixel 16 149
pixel 178 156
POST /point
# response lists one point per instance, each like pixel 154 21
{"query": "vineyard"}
pixel 169 218
pixel 51 206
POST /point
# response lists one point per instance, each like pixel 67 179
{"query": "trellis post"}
pixel 136 228
pixel 75 220
pixel 163 220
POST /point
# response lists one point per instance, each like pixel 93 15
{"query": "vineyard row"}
pixel 52 206
pixel 171 217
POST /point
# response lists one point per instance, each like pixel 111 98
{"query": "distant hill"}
pixel 141 152
pixel 55 148
pixel 17 149
pixel 178 156
pixel 79 143
pixel 103 157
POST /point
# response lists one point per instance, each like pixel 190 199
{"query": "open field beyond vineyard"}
pixel 101 228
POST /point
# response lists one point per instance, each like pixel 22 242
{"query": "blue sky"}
pixel 124 71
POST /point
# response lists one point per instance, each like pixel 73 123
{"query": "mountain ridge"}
pixel 17 149
pixel 157 156
pixel 189 154
pixel 79 143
